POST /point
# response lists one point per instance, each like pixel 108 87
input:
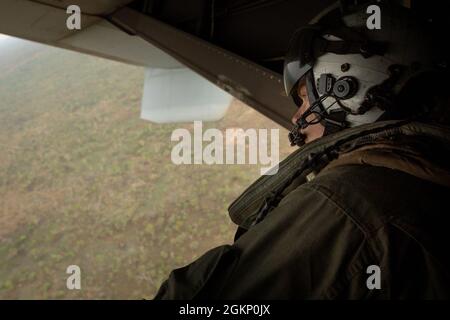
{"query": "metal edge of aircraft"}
pixel 113 31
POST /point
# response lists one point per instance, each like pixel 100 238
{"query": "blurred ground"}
pixel 84 181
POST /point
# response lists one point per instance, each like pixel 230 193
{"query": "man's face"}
pixel 313 131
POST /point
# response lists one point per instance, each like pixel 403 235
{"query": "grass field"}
pixel 84 181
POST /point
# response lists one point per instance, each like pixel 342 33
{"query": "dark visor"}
pixel 299 59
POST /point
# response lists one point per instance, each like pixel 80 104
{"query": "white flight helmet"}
pixel 352 73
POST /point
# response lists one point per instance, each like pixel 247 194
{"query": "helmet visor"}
pixel 299 59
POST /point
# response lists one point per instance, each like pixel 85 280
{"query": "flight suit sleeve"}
pixel 190 282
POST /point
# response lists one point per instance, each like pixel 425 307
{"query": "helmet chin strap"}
pixel 296 138
pixel 333 121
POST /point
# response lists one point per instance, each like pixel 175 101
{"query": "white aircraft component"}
pixel 181 95
pixel 172 92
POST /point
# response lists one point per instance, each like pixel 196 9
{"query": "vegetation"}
pixel 85 181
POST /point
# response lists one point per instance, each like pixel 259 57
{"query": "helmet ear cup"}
pixel 345 88
pixel 342 89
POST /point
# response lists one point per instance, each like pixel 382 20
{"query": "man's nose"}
pixel 296 116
